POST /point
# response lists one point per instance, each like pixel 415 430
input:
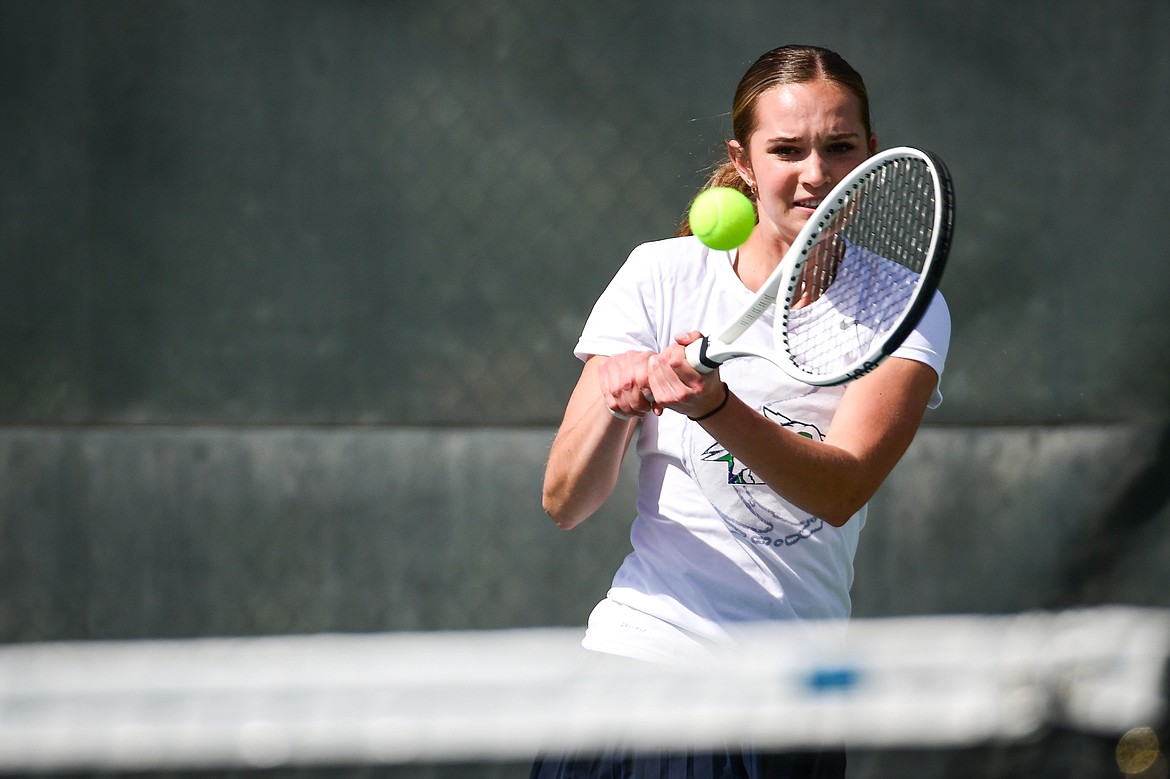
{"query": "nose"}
pixel 815 172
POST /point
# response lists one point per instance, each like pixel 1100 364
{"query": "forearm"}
pixel 832 479
pixel 812 475
pixel 586 456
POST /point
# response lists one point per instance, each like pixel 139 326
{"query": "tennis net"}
pixel 510 694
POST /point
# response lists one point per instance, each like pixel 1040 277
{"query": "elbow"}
pixel 560 513
pixel 570 500
pixel 837 518
pixel 840 499
pixel 839 512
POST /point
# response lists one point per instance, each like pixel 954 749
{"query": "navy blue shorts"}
pixel 731 764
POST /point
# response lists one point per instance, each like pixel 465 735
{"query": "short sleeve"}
pixel 929 342
pixel 623 316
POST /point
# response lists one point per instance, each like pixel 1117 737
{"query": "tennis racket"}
pixel 858 277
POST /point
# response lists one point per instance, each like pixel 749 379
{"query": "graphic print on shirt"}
pixel 748 507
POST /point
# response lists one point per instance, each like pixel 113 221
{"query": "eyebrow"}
pixel 799 138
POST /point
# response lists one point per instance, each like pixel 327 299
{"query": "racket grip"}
pixel 696 352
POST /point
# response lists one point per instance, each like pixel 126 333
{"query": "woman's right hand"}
pixel 624 381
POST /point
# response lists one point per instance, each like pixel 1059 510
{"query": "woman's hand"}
pixel 675 384
pixel 625 383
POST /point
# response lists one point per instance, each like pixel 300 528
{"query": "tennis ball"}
pixel 722 218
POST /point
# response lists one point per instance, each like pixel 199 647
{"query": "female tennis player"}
pixel 752 486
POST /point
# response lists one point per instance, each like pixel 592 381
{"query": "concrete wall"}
pixel 129 533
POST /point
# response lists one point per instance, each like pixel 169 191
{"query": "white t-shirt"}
pixel 712 546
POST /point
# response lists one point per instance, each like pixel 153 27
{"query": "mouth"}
pixel 810 204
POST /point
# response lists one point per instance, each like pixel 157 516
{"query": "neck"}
pixel 755 260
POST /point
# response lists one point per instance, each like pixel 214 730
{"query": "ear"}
pixel 743 164
pixel 873 144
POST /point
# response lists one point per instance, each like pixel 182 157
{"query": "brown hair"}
pixel 792 64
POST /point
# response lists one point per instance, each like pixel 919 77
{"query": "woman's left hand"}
pixel 675 383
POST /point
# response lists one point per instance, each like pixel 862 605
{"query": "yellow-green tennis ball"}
pixel 722 218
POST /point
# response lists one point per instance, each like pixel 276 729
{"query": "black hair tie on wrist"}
pixel 717 409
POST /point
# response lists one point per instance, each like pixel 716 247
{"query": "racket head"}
pixel 869 261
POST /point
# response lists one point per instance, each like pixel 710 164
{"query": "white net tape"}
pixel 504 695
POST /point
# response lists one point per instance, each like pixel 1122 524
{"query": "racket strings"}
pixel 861 276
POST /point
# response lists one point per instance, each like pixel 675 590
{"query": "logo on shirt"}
pixel 750 508
pixel 743 475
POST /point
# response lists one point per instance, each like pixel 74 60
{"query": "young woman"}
pixel 752 486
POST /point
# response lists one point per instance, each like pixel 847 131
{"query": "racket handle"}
pixel 697 356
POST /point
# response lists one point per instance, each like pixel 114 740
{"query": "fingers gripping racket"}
pixel 858 277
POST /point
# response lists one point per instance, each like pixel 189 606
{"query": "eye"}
pixel 787 152
pixel 843 148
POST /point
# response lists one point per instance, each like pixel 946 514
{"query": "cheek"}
pixel 779 179
pixel 845 167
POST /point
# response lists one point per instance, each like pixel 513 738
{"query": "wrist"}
pixel 717 409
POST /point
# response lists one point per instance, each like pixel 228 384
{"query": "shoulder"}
pixel 670 259
pixel 675 250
